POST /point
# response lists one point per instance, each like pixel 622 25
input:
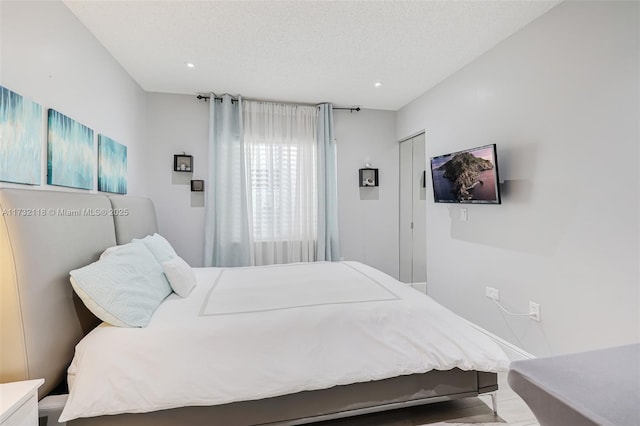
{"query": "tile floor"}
pixel 469 411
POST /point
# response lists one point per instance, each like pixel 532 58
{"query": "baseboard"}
pixel 513 352
pixel 421 287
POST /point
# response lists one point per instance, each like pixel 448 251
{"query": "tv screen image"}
pixel 469 176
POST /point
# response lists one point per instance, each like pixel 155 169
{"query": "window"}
pixel 281 155
pixel 276 207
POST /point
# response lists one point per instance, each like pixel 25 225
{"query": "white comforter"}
pixel 252 333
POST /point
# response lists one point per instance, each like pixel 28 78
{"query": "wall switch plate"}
pixel 492 293
pixel 464 215
pixel 534 311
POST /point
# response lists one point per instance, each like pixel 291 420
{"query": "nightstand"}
pixel 19 403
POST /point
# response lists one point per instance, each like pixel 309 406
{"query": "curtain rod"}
pixel 217 98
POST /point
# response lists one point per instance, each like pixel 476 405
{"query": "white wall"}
pixel 177 124
pixel 561 100
pixel 368 217
pixel 48 56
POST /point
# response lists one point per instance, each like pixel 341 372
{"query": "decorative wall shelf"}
pixel 197 186
pixel 183 163
pixel 368 177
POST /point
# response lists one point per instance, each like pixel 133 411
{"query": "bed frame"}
pixel 45 234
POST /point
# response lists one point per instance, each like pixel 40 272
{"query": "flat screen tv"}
pixel 469 176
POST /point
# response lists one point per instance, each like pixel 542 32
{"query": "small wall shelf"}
pixel 197 186
pixel 183 163
pixel 368 177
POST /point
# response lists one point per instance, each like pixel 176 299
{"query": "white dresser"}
pixel 19 403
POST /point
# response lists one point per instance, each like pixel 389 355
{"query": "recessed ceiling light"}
pixel 377 84
pixel 189 64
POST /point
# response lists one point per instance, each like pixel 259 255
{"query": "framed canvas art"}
pixel 21 138
pixel 70 158
pixel 112 166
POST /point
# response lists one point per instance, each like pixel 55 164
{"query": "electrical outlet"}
pixel 534 311
pixel 492 293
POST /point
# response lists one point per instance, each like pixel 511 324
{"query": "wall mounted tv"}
pixel 469 176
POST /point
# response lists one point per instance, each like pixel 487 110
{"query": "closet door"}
pixel 406 211
pixel 413 245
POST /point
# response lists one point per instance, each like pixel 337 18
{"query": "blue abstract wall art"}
pixel 112 166
pixel 70 157
pixel 21 138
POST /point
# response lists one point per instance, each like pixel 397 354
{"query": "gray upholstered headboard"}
pixel 134 217
pixel 44 235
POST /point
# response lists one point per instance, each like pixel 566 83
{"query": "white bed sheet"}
pixel 290 286
pixel 192 356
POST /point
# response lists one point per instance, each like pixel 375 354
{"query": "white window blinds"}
pixel 281 156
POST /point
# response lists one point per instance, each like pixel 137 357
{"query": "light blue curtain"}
pixel 328 243
pixel 228 240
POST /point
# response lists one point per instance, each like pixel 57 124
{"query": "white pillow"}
pixel 109 251
pixel 159 247
pixel 94 306
pixel 180 276
pixel 124 288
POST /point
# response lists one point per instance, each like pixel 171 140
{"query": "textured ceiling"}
pixel 302 51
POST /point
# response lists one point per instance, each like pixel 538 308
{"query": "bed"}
pixel 43 321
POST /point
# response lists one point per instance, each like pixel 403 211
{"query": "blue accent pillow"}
pixel 124 288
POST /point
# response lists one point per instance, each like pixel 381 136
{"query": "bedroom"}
pixel 556 97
